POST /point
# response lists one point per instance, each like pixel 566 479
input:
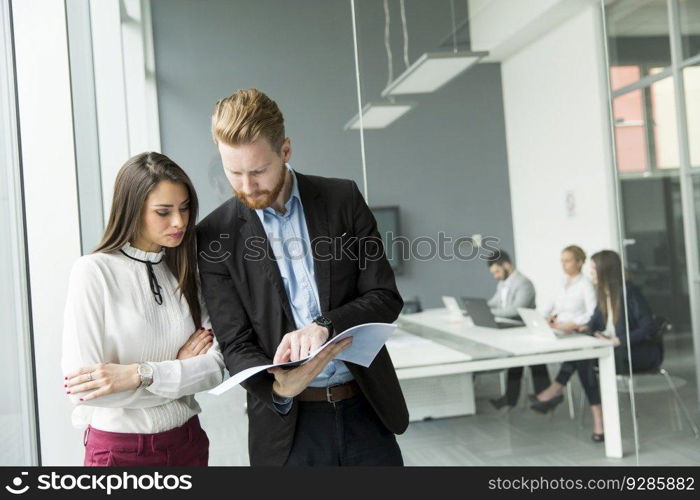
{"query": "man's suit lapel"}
pixel 316 217
pixel 253 228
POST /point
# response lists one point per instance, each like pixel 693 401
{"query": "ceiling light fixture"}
pixel 431 71
pixel 378 115
pixel 434 69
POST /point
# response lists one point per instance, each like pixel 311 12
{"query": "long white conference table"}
pixel 439 353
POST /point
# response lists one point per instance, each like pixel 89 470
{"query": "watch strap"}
pixel 325 322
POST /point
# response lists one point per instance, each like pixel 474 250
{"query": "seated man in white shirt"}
pixel 514 290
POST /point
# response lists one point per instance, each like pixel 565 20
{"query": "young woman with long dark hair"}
pixel 136 338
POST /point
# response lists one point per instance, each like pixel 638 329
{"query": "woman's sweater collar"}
pixel 134 252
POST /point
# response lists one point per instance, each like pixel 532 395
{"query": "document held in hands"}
pixel 367 340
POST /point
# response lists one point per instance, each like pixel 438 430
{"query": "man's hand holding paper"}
pixel 289 383
pixel 300 343
pixel 366 342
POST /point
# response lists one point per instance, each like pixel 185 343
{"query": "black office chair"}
pixel 644 381
pixel 412 306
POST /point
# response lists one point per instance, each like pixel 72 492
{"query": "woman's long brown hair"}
pixel 609 273
pixel 135 181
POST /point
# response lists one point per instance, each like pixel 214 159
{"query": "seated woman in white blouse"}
pixel 575 300
pixel 136 339
pixel 572 308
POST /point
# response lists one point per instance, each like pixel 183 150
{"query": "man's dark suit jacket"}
pixel 250 312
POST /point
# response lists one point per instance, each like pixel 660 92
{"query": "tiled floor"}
pixel 520 437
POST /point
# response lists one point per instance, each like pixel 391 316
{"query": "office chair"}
pixel 647 381
pixel 412 306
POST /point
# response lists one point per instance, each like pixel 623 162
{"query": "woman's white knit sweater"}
pixel 112 316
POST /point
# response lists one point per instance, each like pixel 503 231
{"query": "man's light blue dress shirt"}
pixel 290 242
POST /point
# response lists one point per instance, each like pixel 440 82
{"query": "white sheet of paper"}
pixel 367 341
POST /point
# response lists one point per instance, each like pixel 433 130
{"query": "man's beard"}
pixel 267 198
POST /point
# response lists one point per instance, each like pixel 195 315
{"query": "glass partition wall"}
pixel 653 57
pixel 446 144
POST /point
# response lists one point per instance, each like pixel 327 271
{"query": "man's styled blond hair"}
pixel 244 117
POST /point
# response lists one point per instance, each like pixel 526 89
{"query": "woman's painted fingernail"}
pixel 65 385
pixel 81 399
pixel 67 392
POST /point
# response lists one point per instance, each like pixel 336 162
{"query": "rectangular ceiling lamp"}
pixel 378 115
pixel 431 71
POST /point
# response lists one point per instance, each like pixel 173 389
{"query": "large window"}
pixel 17 422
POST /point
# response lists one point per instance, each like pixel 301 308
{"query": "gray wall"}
pixel 444 163
pixel 301 56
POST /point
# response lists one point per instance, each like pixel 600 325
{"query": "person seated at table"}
pixel 608 322
pixel 575 300
pixel 514 290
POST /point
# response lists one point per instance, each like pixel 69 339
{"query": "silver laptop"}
pixel 539 326
pixel 452 306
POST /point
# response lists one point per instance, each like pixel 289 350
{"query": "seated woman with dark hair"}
pixel 609 323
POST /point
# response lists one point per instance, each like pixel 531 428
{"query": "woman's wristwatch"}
pixel 145 371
